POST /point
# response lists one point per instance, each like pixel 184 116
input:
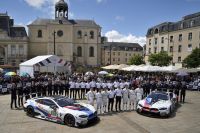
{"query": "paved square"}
pixel 185 120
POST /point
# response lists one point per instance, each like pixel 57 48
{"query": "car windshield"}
pixel 158 96
pixel 62 102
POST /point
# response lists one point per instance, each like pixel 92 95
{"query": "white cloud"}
pixel 119 18
pixel 115 36
pixel 99 1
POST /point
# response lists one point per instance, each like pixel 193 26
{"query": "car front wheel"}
pixel 30 111
pixel 69 120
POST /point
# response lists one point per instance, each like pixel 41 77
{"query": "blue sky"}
pixel 121 20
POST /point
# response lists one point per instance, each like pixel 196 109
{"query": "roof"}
pixel 35 60
pixel 87 23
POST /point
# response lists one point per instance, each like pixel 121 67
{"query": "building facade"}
pixel 119 53
pixel 13 42
pixel 78 41
pixel 177 38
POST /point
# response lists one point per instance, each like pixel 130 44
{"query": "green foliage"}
pixel 160 59
pixel 136 60
pixel 192 60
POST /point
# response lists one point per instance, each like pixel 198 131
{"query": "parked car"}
pixel 161 103
pixel 60 109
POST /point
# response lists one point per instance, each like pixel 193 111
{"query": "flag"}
pixel 41 63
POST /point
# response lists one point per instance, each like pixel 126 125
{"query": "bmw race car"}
pixel 161 103
pixel 60 109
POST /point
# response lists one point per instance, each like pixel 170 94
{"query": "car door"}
pixel 42 108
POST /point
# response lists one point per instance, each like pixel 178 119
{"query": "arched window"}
pixel 91 34
pixel 79 34
pixel 156 31
pixel 91 52
pixel 79 51
pixel 39 33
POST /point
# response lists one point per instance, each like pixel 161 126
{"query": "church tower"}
pixel 61 10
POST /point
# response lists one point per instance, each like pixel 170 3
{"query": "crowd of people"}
pixel 105 91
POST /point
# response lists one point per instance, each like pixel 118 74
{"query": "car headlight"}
pixel 162 108
pixel 83 116
pixel 140 105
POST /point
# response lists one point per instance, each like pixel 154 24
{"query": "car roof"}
pixel 50 97
pixel 161 92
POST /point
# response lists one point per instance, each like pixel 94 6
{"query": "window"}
pixel 13 50
pixel 113 53
pixel 179 48
pixel 155 50
pixel 149 50
pixel 118 59
pixel 162 48
pixel 190 36
pixel 91 34
pixel 79 51
pixel 189 47
pixel 113 59
pixel 21 50
pixel 179 59
pixel 39 33
pixel 155 40
pixel 129 54
pixel 150 39
pixel 79 34
pixel 171 38
pixel 180 37
pixel 162 40
pixel 48 102
pixel 156 31
pixel 91 51
pixel 171 49
pixel 119 53
pixel 126 54
pixel 192 23
pixel 108 53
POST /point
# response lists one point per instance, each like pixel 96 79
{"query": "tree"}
pixel 136 60
pixel 160 59
pixel 192 60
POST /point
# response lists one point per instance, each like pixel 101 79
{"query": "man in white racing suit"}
pixel 125 94
pixel 132 97
pixel 90 97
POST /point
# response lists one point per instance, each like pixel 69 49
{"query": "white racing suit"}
pixel 99 100
pixel 125 94
pixel 90 97
pixel 105 100
pixel 133 102
pixel 139 94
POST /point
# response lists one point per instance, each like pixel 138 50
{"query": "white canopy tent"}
pixel 45 63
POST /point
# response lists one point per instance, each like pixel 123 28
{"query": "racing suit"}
pixel 105 100
pixel 125 94
pixel 132 96
pixel 90 97
pixel 99 99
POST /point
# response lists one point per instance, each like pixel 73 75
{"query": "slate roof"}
pixel 122 46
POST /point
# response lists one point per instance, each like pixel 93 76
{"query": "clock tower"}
pixel 61 10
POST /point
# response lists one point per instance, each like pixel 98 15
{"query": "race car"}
pixel 161 103
pixel 60 109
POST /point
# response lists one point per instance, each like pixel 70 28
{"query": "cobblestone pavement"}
pixel 185 120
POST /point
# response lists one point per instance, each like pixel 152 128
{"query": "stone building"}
pixel 72 40
pixel 13 42
pixel 119 53
pixel 177 38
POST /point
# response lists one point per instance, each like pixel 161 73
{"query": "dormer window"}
pixel 192 23
pixel 79 34
pixel 39 33
pixel 91 34
pixel 156 31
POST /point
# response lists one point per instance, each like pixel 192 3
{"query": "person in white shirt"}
pixel 83 86
pixel 116 83
pixel 109 85
pixel 93 85
pixel 118 93
pixel 125 94
pixel 104 84
pixel 87 86
pixel 90 97
pixel 98 85
pixel 132 97
pixel 111 96
pixel 105 99
pixel 72 86
pixel 139 93
pixel 99 100
pixel 77 89
pixel 122 84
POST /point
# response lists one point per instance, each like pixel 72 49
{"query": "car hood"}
pixel 157 104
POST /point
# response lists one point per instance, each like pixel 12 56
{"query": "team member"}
pixel 125 94
pixel 139 93
pixel 72 86
pixel 132 97
pixel 105 99
pixel 93 84
pixel 33 89
pixel 44 87
pixel 118 93
pixel 87 85
pixel 67 86
pixel 20 93
pixel 49 87
pixel 98 85
pixel 183 91
pixel 61 86
pixel 77 89
pixel 56 86
pixel 27 90
pixel 99 100
pixel 111 95
pixel 13 95
pixel 90 97
pixel 83 86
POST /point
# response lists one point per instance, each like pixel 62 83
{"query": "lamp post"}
pixel 54 42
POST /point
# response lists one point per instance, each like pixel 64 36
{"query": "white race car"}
pixel 161 103
pixel 60 109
